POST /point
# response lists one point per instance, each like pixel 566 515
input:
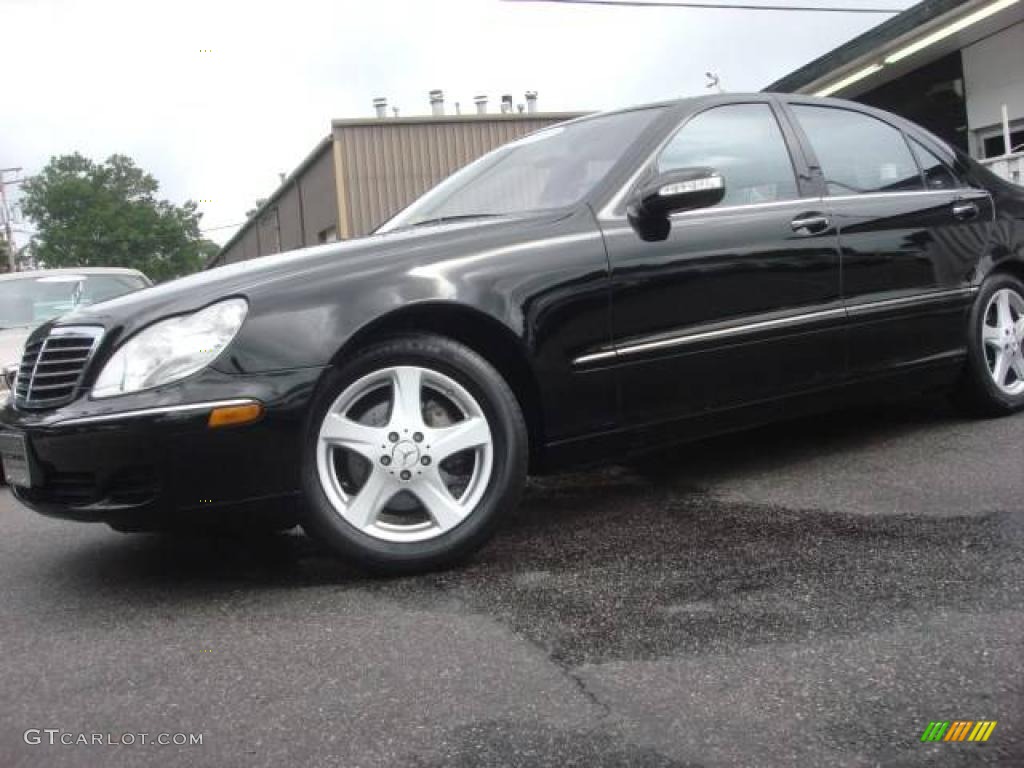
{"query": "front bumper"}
pixel 150 460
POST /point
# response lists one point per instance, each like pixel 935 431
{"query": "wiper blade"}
pixel 449 219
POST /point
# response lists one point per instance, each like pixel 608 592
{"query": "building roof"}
pixel 467 118
pixel 311 158
pixel 876 37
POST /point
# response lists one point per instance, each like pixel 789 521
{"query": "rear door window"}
pixel 859 154
pixel 937 174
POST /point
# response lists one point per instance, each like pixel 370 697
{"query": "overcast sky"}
pixel 128 76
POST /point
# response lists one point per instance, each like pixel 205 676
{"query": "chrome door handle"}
pixel 811 223
pixel 965 211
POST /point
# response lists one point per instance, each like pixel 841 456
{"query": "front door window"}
pixel 744 144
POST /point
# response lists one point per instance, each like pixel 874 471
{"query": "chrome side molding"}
pixel 157 411
pixel 649 344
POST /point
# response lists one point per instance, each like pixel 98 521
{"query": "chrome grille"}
pixel 52 368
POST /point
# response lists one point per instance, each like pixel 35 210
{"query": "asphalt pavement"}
pixel 809 594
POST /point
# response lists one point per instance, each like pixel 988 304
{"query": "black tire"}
pixel 510 452
pixel 976 392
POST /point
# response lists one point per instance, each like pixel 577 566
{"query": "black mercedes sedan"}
pixel 597 288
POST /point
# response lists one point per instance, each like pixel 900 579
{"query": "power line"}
pixel 222 226
pixel 719 6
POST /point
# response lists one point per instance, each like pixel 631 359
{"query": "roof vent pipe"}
pixel 380 106
pixel 531 101
pixel 506 104
pixel 437 102
pixel 481 104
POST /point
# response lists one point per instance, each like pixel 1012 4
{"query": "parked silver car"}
pixel 29 299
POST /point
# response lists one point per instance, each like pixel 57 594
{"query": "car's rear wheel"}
pixel 993 379
pixel 415 451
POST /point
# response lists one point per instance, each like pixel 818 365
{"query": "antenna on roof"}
pixel 713 81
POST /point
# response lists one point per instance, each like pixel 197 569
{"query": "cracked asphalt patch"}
pixel 811 593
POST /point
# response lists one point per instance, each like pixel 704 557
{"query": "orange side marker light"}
pixel 232 415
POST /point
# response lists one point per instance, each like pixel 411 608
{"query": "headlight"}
pixel 171 349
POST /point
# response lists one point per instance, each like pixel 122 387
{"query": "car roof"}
pixel 704 98
pixel 709 99
pixel 35 273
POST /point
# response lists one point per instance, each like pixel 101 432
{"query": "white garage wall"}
pixel 993 76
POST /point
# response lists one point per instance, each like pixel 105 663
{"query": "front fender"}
pixel 520 277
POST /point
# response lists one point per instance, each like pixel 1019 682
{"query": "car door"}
pixel 741 302
pixel 910 232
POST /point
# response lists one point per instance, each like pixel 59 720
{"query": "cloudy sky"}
pixel 132 76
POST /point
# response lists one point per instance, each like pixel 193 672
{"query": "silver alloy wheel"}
pixel 406 492
pixel 1002 336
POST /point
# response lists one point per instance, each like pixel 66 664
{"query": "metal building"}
pixel 954 66
pixel 367 170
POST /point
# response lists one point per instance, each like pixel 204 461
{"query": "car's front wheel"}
pixel 414 452
pixel 993 379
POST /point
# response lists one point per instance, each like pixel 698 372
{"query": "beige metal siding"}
pixel 289 219
pixel 269 231
pixel 319 197
pixel 244 247
pixel 387 164
pixel 231 254
pixel 250 243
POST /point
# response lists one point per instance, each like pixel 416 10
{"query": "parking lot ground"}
pixel 808 594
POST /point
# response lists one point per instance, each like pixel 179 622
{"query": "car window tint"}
pixel 744 144
pixel 99 288
pixel 858 153
pixel 937 174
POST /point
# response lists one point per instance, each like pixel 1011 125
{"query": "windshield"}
pixel 33 300
pixel 549 169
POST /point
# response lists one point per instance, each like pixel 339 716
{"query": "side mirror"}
pixel 685 189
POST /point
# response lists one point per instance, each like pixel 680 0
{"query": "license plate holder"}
pixel 16 460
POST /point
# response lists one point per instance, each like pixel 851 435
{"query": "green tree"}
pixel 208 249
pixel 107 214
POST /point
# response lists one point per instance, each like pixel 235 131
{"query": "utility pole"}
pixel 12 264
